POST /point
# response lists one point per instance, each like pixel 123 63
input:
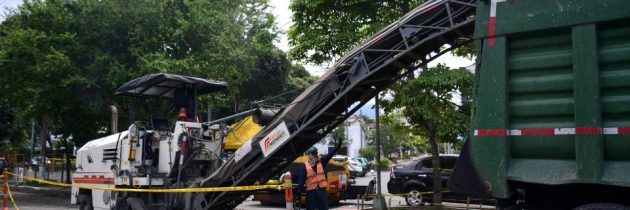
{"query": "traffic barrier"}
pixel 176 190
pixel 7 191
pixel 288 191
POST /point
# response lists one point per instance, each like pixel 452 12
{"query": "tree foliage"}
pixel 62 60
pixel 428 102
pixel 323 30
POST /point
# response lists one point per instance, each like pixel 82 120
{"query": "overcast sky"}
pixel 8 4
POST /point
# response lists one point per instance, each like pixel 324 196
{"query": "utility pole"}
pixel 379 200
pixel 32 152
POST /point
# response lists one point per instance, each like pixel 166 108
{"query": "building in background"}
pixel 357 133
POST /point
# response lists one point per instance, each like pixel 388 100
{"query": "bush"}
pixel 385 164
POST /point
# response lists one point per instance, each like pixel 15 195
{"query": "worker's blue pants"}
pixel 316 196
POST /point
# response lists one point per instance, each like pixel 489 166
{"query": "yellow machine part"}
pixel 242 131
pixel 332 176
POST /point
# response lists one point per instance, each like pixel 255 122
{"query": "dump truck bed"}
pixel 552 93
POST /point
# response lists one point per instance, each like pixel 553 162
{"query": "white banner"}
pixel 274 139
pixel 243 150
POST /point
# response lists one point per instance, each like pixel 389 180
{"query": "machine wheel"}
pixel 414 196
pixel 602 206
pixel 85 202
pixel 297 204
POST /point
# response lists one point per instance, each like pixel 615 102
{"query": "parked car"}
pixel 416 176
pixel 353 165
pixel 365 164
pixel 364 168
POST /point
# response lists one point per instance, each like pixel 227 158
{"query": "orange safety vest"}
pixel 314 180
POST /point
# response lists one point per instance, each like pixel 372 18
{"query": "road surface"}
pixel 34 201
pixel 347 204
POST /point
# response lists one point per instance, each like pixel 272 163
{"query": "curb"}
pixel 48 191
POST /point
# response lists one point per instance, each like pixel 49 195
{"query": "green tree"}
pixel 368 152
pixel 340 134
pixel 397 133
pixel 61 61
pixel 426 101
pixel 323 30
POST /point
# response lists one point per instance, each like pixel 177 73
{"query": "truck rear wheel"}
pixel 85 202
pixel 602 206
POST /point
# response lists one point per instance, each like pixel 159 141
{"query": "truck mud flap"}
pixel 465 179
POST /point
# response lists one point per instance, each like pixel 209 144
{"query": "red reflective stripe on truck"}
pixel 491 132
pixel 588 131
pixel 538 132
pixel 94 180
pixel 553 131
pixel 491 31
pixel 625 131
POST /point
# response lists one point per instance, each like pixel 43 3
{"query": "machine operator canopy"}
pixel 165 85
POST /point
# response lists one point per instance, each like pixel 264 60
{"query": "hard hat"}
pixel 311 150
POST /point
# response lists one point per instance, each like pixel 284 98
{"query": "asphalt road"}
pixel 34 201
pixel 347 204
pixel 31 201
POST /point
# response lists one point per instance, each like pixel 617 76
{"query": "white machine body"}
pixel 138 158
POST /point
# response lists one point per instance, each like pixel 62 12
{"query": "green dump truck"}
pixel 551 122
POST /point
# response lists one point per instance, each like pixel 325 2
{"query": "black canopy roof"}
pixel 164 85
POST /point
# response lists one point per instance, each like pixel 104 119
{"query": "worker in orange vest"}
pixel 314 177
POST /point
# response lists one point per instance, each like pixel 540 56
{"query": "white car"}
pixel 353 165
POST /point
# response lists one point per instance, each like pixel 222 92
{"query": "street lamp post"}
pixel 379 201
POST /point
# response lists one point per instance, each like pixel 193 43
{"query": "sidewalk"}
pixel 43 190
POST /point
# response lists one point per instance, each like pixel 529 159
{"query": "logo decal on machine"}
pixel 243 150
pixel 274 139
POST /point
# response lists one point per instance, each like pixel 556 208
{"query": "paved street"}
pixel 31 201
pixel 28 201
pixel 347 204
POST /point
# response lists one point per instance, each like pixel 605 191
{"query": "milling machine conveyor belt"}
pixel 395 51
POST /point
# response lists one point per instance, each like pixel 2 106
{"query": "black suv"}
pixel 416 176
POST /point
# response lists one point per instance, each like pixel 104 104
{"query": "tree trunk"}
pixel 43 137
pixel 68 165
pixel 437 176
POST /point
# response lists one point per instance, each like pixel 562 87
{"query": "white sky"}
pixel 8 4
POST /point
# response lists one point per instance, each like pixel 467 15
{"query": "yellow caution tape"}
pixel 11 196
pixel 177 190
pixel 405 194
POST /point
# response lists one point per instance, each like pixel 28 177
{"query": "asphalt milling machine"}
pixel 188 155
pixel 154 154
